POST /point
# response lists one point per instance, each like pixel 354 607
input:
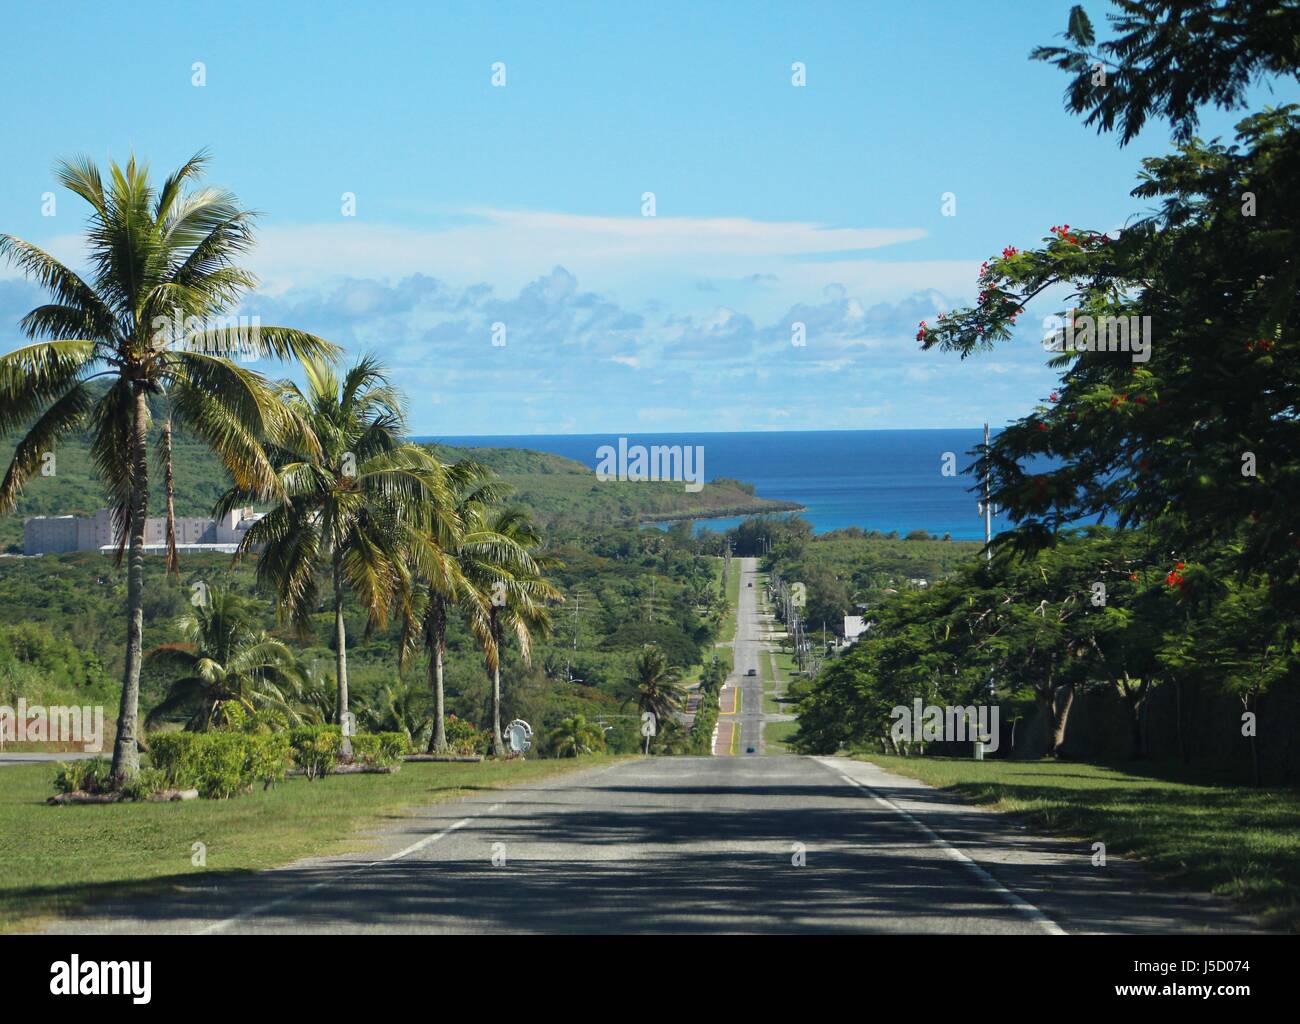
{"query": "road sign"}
pixel 519 735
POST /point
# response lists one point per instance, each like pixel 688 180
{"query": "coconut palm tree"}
pixel 400 707
pixel 655 688
pixel 162 265
pixel 517 594
pixel 473 548
pixel 227 658
pixel 574 736
pixel 357 507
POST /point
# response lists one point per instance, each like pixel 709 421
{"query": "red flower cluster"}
pixel 1053 397
pixel 1063 233
pixel 1176 578
pixel 1009 251
pixel 920 334
pixel 1263 344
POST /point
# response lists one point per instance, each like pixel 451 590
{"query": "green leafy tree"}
pixel 655 687
pixel 574 736
pixel 399 707
pixel 356 506
pixel 473 550
pixel 158 255
pixel 510 578
pixel 1171 58
pixel 226 658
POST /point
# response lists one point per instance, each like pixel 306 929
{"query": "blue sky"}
pixel 522 205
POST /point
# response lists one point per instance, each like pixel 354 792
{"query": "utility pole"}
pixel 986 506
pixel 577 603
pixel 577 624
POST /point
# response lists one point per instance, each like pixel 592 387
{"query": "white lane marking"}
pixel 420 845
pixel 1018 902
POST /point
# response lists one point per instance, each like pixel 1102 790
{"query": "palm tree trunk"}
pixel 437 655
pixel 341 660
pixel 126 751
pixel 173 559
pixel 498 744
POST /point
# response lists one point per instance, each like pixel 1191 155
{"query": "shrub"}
pixel 173 754
pixel 465 738
pixel 89 776
pixel 315 748
pixel 706 717
pixel 380 749
pixel 220 764
pixel 269 758
pixel 146 783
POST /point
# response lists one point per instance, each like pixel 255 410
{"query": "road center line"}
pixel 421 844
pixel 1021 904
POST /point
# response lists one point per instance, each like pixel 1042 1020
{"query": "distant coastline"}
pixel 763 506
pixel 881 480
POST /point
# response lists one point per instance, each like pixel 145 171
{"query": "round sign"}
pixel 519 735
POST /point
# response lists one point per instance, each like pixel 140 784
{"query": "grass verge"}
pixel 776 735
pixel 54 860
pixel 1188 825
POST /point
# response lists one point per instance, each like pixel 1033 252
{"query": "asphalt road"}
pixel 713 844
pixel 740 688
pixel 747 655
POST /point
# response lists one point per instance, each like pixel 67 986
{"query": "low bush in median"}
pixel 223 763
pixel 380 749
pixel 91 776
pixel 465 738
pixel 316 749
pixel 220 764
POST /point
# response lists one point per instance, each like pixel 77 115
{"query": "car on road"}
pixel 749 750
pixel 752 672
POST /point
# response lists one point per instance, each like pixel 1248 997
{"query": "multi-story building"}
pixel 52 534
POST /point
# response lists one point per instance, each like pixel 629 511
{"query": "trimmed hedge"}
pixel 220 764
pixel 379 749
pixel 315 748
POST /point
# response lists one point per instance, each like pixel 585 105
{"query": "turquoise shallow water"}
pixel 876 479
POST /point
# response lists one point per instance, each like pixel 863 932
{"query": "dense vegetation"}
pixel 1184 618
pixel 375 557
pixel 561 494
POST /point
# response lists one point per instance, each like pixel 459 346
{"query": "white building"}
pixel 52 534
pixel 854 627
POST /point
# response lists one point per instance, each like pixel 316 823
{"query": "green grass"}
pixel 776 735
pixel 1188 825
pixel 727 631
pixel 774 684
pixel 56 859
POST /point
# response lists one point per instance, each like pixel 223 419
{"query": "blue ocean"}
pixel 876 479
